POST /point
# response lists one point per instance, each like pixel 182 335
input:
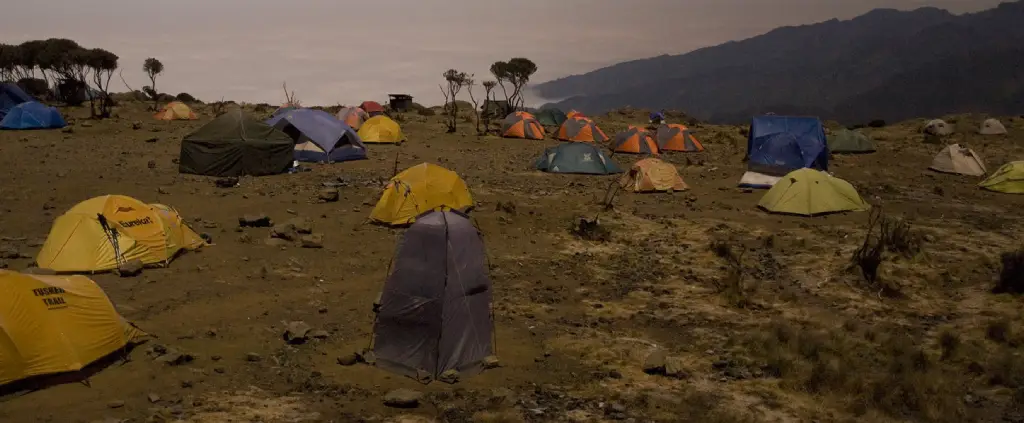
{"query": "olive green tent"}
pixel 576 157
pixel 551 117
pixel 809 192
pixel 236 144
pixel 846 141
pixel 1008 179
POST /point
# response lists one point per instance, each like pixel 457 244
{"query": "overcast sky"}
pixel 346 51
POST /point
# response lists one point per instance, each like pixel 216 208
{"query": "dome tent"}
pixel 100 233
pixel 551 117
pixel 846 141
pixel 56 324
pixel 652 175
pixel 580 129
pixel 1009 179
pixel 576 157
pixel 353 117
pixel 809 192
pixel 319 136
pixel 236 144
pixel 175 110
pixel 676 137
pixel 381 130
pixel 419 189
pixel 522 125
pixel 959 160
pixel 32 115
pixel 938 127
pixel 434 315
pixel 992 127
pixel 635 140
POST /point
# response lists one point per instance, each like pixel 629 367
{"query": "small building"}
pixel 400 102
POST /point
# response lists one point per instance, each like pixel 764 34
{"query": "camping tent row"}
pixel 235 144
pixel 669 137
pixel 940 127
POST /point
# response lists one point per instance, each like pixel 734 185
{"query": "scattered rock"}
pixel 285 231
pixel 153 398
pixel 301 225
pixel 152 139
pixel 162 190
pixel 137 125
pixel 130 268
pixel 403 398
pixel 329 195
pixel 449 376
pixel 675 367
pixel 253 357
pixel 297 332
pixel 9 252
pixel 151 164
pixel 348 359
pixel 655 362
pixel 68 130
pixel 175 358
pixel 275 242
pixel 115 404
pixel 615 374
pixel 230 182
pixel 255 221
pixel 319 334
pixel 368 357
pixel 313 241
pixel 219 369
pixel 491 362
pixel 86 124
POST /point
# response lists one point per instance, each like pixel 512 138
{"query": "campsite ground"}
pixel 797 339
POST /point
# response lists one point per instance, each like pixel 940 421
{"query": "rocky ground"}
pixel 694 306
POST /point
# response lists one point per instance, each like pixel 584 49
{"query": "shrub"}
pixel 1011 278
pixel 186 98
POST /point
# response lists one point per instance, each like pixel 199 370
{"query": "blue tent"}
pixel 778 145
pixel 318 136
pixel 32 115
pixel 11 95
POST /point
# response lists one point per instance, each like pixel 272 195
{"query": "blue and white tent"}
pixel 319 137
pixel 32 115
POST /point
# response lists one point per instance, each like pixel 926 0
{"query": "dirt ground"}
pixel 793 336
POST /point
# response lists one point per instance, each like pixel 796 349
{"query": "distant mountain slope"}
pixel 886 64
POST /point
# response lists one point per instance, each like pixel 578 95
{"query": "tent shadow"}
pixel 37 383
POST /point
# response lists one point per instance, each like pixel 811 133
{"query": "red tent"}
pixel 371 107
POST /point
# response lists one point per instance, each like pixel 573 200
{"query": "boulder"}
pixel 403 398
pixel 130 268
pixel 313 241
pixel 255 221
pixel 301 225
pixel 655 362
pixel 328 195
pixel 285 231
pixel 297 332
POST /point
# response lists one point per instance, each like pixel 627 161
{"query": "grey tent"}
pixel 435 311
pixel 235 144
pixel 576 157
pixel 847 141
pixel 992 127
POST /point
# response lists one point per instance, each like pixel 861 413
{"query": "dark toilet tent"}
pixel 778 145
pixel 236 144
pixel 435 311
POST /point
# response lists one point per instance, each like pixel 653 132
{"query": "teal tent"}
pixel 551 117
pixel 576 157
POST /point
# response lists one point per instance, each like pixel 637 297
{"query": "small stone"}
pixel 115 404
pixel 151 164
pixel 615 374
pixel 275 242
pixel 9 252
pixel 296 332
pixel 244 238
pixel 153 398
pixel 313 241
pixel 319 334
pixel 253 357
pixel 215 357
pixel 211 332
pixel 186 384
pixel 229 182
pixel 329 195
pixel 491 362
pixel 255 221
pixel 218 369
pixel 130 268
pixel 403 398
pixel 449 376
pixel 368 357
pixel 675 367
pixel 86 124
pixel 68 130
pixel 301 225
pixel 322 310
pixel 152 139
pixel 162 190
pixel 285 231
pixel 175 358
pixel 655 362
pixel 348 359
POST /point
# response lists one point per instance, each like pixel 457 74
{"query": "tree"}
pixel 8 54
pixel 103 64
pixel 470 83
pixel 55 59
pixel 456 80
pixel 483 116
pixel 153 67
pixel 516 72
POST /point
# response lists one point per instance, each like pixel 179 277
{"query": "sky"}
pixel 347 51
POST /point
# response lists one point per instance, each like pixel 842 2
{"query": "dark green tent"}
pixel 847 141
pixel 551 117
pixel 576 157
pixel 236 144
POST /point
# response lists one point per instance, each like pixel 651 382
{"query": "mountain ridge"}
pixel 833 68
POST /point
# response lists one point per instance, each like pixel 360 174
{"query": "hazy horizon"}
pixel 331 52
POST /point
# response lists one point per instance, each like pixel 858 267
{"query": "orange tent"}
pixel 574 114
pixel 353 116
pixel 676 137
pixel 580 130
pixel 175 110
pixel 650 175
pixel 635 140
pixel 522 125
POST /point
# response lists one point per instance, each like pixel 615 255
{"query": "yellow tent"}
pixel 175 110
pixel 79 242
pixel 420 189
pixel 809 192
pixel 381 129
pixel 56 324
pixel 1008 179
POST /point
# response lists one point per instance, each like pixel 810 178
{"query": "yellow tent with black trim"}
pixel 98 233
pixel 1009 179
pixel 56 324
pixel 175 110
pixel 420 189
pixel 381 129
pixel 810 192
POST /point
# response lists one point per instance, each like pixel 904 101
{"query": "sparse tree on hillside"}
pixel 8 54
pixel 456 80
pixel 488 92
pixel 103 64
pixel 153 67
pixel 470 84
pixel 516 72
pixel 55 59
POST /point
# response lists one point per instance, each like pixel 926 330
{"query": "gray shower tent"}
pixel 435 310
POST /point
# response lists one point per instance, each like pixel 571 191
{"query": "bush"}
pixel 1011 278
pixel 186 98
pixel 590 230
